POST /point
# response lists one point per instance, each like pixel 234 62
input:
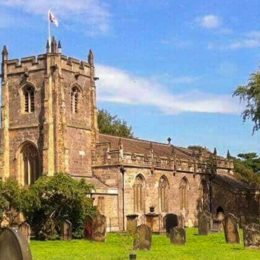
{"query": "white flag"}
pixel 52 18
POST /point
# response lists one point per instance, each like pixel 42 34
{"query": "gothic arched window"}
pixel 184 185
pixel 138 190
pixel 163 193
pixel 75 100
pixel 29 164
pixel 28 93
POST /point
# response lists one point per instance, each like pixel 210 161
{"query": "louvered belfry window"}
pixel 29 99
pixel 75 100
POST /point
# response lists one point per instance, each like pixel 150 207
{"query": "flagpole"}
pixel 49 28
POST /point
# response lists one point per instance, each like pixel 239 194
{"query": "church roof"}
pixel 139 146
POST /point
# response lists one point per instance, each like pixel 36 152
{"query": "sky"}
pixel 168 68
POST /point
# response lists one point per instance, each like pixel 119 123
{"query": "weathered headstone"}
pixel 171 221
pixel 204 223
pixel 143 237
pixel 13 245
pixel 131 223
pixel 66 230
pixel 178 236
pixel 99 228
pixel 231 229
pixel 88 227
pixel 25 229
pixel 252 235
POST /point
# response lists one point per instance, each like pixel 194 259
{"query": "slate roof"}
pixel 139 146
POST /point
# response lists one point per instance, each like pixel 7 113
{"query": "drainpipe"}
pixel 122 170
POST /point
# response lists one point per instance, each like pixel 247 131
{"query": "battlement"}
pixel 23 64
pixel 75 65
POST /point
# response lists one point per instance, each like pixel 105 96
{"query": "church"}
pixel 49 125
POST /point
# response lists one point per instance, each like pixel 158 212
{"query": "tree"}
pixel 247 167
pixel 51 200
pixel 11 200
pixel 109 124
pixel 251 94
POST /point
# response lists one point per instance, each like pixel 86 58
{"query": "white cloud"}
pixel 92 13
pixel 250 40
pixel 210 21
pixel 118 86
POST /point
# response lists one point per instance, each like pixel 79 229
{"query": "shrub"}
pixel 51 200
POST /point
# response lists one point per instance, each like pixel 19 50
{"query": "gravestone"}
pixel 178 236
pixel 88 227
pixel 66 230
pixel 25 229
pixel 143 237
pixel 252 235
pixel 204 223
pixel 231 229
pixel 171 221
pixel 99 228
pixel 131 223
pixel 13 245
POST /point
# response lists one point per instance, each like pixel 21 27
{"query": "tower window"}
pixel 74 100
pixel 29 99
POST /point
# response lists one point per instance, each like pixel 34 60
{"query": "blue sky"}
pixel 167 67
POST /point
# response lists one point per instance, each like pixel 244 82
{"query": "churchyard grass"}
pixel 118 246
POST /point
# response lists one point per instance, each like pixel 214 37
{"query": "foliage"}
pixel 109 124
pixel 247 167
pixel 212 246
pixel 11 200
pixel 251 94
pixel 51 200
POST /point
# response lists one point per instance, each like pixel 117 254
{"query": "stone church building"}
pixel 49 125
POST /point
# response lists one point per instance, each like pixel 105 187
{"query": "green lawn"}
pixel 118 246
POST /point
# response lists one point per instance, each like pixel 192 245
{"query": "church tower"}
pixel 49 115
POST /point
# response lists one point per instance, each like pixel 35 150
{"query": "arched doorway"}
pixel 220 214
pixel 28 163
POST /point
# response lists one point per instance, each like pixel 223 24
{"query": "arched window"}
pixel 138 190
pixel 75 100
pixel 29 164
pixel 163 193
pixel 28 93
pixel 204 194
pixel 184 193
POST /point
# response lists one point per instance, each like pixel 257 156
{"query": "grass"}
pixel 118 246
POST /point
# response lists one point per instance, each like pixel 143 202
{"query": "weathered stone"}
pixel 251 234
pixel 204 223
pixel 143 237
pixel 88 227
pixel 231 229
pixel 66 230
pixel 13 245
pixel 171 221
pixel 131 223
pixel 99 228
pixel 25 230
pixel 178 236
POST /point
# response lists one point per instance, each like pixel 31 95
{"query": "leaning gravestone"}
pixel 99 228
pixel 13 245
pixel 204 223
pixel 66 230
pixel 25 229
pixel 252 235
pixel 143 237
pixel 231 229
pixel 178 236
pixel 171 221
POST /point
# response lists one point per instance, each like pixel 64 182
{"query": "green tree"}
pixel 247 167
pixel 11 200
pixel 251 94
pixel 109 124
pixel 51 200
